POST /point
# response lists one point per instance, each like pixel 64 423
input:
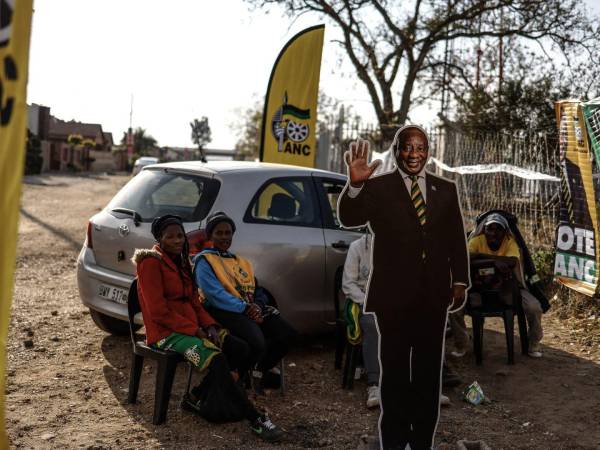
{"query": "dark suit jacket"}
pixel 400 281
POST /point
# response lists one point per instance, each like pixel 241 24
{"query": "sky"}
pixel 191 59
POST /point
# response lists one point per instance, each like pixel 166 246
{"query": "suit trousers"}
pixel 411 360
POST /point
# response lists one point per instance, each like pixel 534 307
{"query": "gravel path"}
pixel 67 380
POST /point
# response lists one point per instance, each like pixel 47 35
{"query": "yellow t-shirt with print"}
pixel 509 247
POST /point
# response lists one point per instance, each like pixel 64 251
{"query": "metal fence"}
pixel 534 202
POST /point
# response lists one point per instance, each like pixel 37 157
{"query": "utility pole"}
pixel 479 52
pixel 501 55
pixel 130 132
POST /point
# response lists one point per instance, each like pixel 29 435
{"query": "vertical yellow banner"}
pixel 288 134
pixel 15 27
pixel 577 246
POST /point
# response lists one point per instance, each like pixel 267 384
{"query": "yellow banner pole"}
pixel 15 28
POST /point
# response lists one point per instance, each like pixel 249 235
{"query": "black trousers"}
pixel 237 353
pixel 268 342
pixel 225 390
pixel 411 360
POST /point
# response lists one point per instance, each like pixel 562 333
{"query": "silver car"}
pixel 286 226
pixel 142 162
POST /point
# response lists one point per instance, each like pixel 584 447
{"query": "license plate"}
pixel 113 293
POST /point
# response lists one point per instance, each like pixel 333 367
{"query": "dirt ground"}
pixel 68 389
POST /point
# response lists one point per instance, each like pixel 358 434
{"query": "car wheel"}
pixel 111 325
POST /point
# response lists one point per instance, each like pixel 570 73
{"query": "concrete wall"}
pixel 104 161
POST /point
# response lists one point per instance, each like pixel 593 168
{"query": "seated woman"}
pixel 175 320
pixel 232 297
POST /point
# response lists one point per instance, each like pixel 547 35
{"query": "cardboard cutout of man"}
pixel 420 270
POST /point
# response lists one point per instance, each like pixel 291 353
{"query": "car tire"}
pixel 111 325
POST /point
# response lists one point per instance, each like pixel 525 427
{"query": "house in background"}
pixel 71 145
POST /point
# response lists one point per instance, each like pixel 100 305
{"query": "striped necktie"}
pixel 417 198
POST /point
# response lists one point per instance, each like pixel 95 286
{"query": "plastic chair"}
pixel 167 364
pixel 492 305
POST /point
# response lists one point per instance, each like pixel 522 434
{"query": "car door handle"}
pixel 340 244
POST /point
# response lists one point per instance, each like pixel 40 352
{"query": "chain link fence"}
pixel 501 170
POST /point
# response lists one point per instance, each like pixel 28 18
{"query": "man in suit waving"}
pixel 420 272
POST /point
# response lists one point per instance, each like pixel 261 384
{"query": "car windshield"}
pixel 154 193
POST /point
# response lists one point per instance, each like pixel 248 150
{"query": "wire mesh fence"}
pixel 503 171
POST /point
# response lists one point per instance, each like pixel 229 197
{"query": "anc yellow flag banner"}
pixel 288 133
pixel 577 246
pixel 15 27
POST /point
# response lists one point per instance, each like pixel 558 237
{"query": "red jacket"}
pixel 169 303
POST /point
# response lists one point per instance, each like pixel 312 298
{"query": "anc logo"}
pixel 290 128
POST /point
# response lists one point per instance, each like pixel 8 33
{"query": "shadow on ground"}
pixel 550 402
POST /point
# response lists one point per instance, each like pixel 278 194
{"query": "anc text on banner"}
pixel 288 133
pixel 15 28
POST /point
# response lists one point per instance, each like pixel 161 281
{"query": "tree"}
pixel 247 129
pixel 201 135
pixel 402 44
pixel 33 155
pixel 521 106
pixel 248 126
pixel 142 142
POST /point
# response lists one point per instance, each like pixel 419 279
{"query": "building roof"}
pixel 108 139
pixel 61 129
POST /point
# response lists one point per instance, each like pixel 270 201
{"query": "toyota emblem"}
pixel 123 230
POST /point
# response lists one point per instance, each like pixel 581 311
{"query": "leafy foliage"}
pixel 399 49
pixel 201 134
pixel 33 155
pixel 142 142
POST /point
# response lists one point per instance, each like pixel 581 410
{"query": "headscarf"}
pixel 160 223
pixel 216 218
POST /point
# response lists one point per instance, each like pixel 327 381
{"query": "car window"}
pixel 332 190
pixel 154 193
pixel 284 201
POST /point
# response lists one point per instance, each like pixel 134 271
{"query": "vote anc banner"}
pixel 15 27
pixel 288 132
pixel 577 247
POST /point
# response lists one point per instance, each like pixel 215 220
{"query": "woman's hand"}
pixel 254 312
pixel 213 335
pixel 201 334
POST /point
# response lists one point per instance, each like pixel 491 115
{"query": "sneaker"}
pixel 459 352
pixel 265 429
pixel 535 350
pixel 444 401
pixel 372 396
pixel 187 404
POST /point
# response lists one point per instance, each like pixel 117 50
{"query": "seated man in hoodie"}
pixel 232 298
pixel 494 238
